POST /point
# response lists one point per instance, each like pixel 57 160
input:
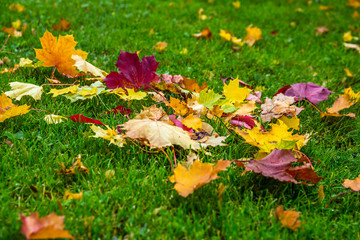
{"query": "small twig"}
pixel 305 157
pixel 5 43
pixel 172 167
pixel 350 191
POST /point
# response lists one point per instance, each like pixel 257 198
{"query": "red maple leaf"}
pixel 133 74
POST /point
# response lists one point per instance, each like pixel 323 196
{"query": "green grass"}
pixel 139 202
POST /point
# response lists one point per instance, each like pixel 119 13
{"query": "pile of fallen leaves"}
pixel 180 117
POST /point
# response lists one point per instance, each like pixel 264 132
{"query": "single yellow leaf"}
pixel 192 122
pixel 76 196
pixel 199 174
pixel 236 4
pixel 8 109
pixel 109 134
pixel 88 92
pixel 225 34
pixel 348 37
pixel 54 119
pixel 253 35
pixel 87 67
pixel 179 107
pixel 234 93
pixel 56 92
pixel 348 73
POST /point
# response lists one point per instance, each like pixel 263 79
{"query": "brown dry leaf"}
pixel 158 133
pixel 160 46
pixel 187 181
pixel 77 196
pixel 192 122
pixel 192 85
pixel 49 227
pixel 153 112
pixel 12 31
pixel 58 53
pixel 288 218
pixel 78 167
pixel 280 105
pixel 179 107
pixel 8 109
pixel 353 184
pixel 206 33
pixel 62 26
pixel 345 100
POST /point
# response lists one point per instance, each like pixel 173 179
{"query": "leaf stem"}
pixel 305 157
pixel 350 191
pixel 5 43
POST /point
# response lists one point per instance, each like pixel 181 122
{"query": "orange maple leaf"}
pixel 8 109
pixel 288 218
pixel 63 25
pixel 197 176
pixel 57 53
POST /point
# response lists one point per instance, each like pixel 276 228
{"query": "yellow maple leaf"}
pixel 236 4
pixel 192 122
pixel 199 174
pixel 225 34
pixel 8 109
pixel 253 35
pixel 234 93
pixel 129 94
pixel 179 107
pixel 56 92
pixel 54 119
pixel 109 134
pixel 76 196
pixel 58 53
pixel 348 37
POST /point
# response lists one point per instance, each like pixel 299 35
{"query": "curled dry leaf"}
pixel 288 218
pixel 353 184
pixel 49 227
pixel 19 89
pixel 8 109
pixel 77 167
pixel 187 181
pixel 158 133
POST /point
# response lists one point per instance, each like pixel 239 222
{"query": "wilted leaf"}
pixel 353 184
pixel 132 72
pixel 158 133
pixel 58 53
pixel 199 174
pixel 49 227
pixel 8 109
pixel 77 167
pixel 288 218
pixel 110 134
pixel 19 89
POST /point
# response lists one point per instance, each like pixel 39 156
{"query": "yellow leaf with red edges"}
pixel 57 53
pixel 8 109
pixel 187 181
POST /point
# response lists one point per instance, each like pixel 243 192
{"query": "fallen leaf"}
pixel 12 31
pixel 253 35
pixel 192 85
pixel 236 4
pixel 277 165
pixel 49 227
pixel 62 26
pixel 77 167
pixel 192 122
pixel 129 94
pixel 58 52
pixel 132 72
pixel 314 93
pixel 206 33
pixel 76 196
pixel 321 30
pixel 17 7
pixel 179 107
pixel 199 174
pixel 345 100
pixel 87 67
pixel 19 89
pixel 54 119
pixel 160 46
pixel 348 37
pixel 348 73
pixel 225 34
pixel 79 118
pixel 71 89
pixel 201 16
pixel 288 218
pixel 353 3
pixel 234 93
pixel 353 184
pixel 326 8
pixel 110 134
pixel 245 122
pixel 109 174
pixel 8 109
pixel 352 46
pixel 158 133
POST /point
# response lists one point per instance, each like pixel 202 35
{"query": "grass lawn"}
pixel 139 200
